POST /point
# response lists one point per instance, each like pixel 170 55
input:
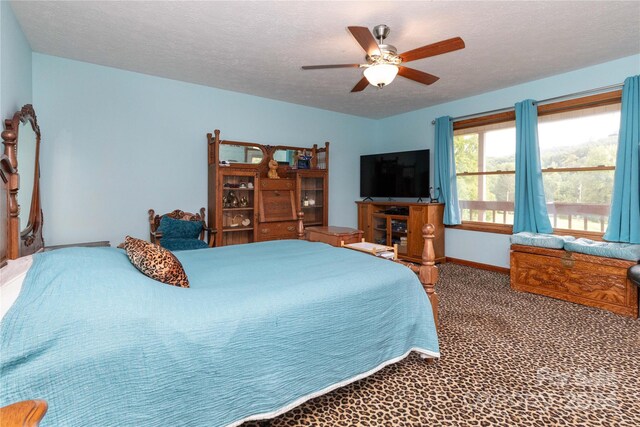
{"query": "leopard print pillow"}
pixel 155 262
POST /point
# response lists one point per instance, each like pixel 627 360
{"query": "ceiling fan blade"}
pixel 319 67
pixel 434 49
pixel 359 87
pixel 418 76
pixel 364 37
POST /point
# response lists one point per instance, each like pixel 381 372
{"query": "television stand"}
pixel 367 198
pixel 389 223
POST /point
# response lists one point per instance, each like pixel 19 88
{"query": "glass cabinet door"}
pixel 312 200
pixel 238 209
pixel 380 230
pixel 399 234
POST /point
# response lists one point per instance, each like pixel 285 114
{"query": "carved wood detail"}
pixel 28 240
pixel 583 279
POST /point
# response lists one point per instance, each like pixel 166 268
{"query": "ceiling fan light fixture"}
pixel 380 75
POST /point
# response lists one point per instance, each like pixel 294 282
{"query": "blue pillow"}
pixel 179 229
pixel 605 249
pixel 182 244
pixel 541 240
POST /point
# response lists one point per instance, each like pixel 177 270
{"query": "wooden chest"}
pixel 583 279
pixel 333 235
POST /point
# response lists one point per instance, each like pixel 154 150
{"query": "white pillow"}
pixel 11 277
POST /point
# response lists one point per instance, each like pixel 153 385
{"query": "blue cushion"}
pixel 182 244
pixel 179 229
pixel 605 249
pixel 541 240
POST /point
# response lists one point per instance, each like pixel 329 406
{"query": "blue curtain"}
pixel 530 205
pixel 624 220
pixel 445 171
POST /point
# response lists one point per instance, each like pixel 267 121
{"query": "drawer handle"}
pixel 277 193
pixel 264 230
pixel 291 228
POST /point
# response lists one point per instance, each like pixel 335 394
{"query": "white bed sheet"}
pixel 11 278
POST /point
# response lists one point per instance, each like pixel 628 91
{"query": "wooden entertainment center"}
pixel 387 223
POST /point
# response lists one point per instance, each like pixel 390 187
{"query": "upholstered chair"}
pixel 179 230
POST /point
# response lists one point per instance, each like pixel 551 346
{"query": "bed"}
pixel 263 328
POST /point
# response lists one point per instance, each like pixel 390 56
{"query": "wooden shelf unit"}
pixel 272 205
pixel 390 228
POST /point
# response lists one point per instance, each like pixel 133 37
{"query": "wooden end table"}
pixel 333 235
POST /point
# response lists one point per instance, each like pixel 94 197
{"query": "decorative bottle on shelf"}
pixel 305 201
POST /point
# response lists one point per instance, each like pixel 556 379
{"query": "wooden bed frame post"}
pixel 300 225
pixel 428 272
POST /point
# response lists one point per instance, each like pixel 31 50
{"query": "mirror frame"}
pixel 265 155
pixel 29 240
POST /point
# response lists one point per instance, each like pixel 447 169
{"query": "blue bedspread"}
pixel 262 327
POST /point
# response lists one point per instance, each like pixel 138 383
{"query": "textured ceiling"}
pixel 258 47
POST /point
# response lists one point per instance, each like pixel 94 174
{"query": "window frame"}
pixel 590 101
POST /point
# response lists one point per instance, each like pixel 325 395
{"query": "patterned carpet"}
pixel 508 358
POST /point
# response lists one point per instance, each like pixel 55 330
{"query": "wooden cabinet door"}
pixel 364 220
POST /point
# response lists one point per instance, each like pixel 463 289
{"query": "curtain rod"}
pixel 543 101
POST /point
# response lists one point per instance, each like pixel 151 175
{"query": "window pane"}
pixel 586 137
pixel 490 148
pixel 485 148
pixel 578 200
pixel 465 152
pixel 487 198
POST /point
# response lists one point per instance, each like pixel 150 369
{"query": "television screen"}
pixel 402 174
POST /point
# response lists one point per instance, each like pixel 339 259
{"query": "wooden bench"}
pixel 583 279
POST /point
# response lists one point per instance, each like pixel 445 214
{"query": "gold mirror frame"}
pixel 28 240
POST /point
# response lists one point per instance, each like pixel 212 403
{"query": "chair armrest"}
pixel 156 236
pixel 212 236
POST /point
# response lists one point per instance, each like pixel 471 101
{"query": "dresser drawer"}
pixel 277 230
pixel 277 184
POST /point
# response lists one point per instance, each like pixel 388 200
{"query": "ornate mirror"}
pixel 240 153
pixel 285 156
pixel 21 139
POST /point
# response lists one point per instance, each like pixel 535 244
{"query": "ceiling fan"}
pixel 383 61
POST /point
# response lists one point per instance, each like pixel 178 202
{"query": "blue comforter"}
pixel 263 327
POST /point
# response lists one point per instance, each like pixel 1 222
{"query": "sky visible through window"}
pixel 556 133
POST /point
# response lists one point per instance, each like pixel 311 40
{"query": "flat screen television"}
pixel 401 174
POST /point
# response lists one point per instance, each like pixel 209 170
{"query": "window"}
pixel 578 155
pixel 578 142
pixel 485 166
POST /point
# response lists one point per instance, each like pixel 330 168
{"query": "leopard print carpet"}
pixel 508 359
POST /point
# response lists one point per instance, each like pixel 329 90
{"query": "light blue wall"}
pixel 116 143
pixel 414 130
pixel 15 64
